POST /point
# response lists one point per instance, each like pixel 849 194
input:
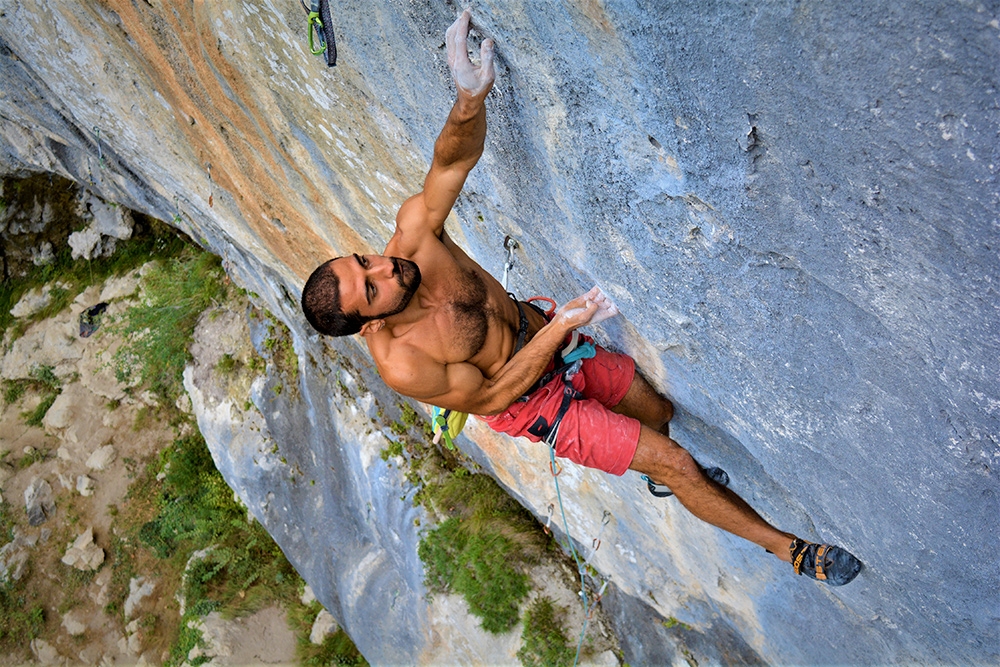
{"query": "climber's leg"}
pixel 642 402
pixel 666 462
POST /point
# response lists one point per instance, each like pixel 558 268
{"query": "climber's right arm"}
pixel 458 147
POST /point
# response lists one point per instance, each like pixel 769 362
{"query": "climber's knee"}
pixel 663 460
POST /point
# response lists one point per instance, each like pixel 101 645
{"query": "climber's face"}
pixel 375 286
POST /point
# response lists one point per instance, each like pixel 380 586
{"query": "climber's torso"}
pixel 460 313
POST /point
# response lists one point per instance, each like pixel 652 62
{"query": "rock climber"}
pixel 443 331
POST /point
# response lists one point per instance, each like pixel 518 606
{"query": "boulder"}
pixel 45 653
pixel 119 287
pixel 72 624
pixel 32 301
pixel 85 485
pixel 102 458
pixel 82 553
pixel 324 625
pixel 38 502
pixel 138 588
pixel 14 557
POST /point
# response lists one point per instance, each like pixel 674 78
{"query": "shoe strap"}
pixel 822 549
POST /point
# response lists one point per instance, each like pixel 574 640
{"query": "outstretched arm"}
pixel 462 386
pixel 460 143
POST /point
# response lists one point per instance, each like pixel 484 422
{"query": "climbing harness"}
pixel 321 25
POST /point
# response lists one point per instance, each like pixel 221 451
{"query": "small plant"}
pixel 13 390
pixel 543 640
pixel 35 417
pixel 672 622
pixel 33 456
pixel 394 449
pixel 227 364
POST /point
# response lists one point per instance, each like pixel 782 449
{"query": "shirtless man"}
pixel 443 331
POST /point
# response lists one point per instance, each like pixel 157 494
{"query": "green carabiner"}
pixel 316 26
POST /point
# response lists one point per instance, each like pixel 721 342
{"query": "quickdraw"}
pixel 321 25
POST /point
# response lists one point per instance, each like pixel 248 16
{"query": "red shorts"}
pixel 590 433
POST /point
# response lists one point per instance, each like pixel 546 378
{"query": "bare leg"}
pixel 643 403
pixel 666 462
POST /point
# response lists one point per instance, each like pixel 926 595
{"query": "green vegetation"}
pixel 543 640
pixel 337 649
pixel 672 622
pixel 22 621
pixel 44 381
pixel 150 239
pixel 483 549
pixel 158 330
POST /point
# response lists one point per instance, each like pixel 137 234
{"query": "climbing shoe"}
pixel 824 562
pixel 717 475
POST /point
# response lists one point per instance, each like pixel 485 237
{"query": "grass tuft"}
pixel 543 640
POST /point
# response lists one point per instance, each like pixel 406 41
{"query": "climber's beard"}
pixel 407 274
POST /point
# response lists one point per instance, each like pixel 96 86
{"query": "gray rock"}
pixel 138 588
pixel 14 557
pixel 85 485
pixel 82 553
pixel 73 626
pixel 44 652
pixel 43 254
pixel 119 287
pixel 32 301
pixel 38 502
pixel 101 458
pixel 86 244
pixel 324 625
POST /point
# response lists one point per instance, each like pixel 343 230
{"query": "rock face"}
pixel 794 206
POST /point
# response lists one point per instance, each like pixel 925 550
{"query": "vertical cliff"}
pixel 795 206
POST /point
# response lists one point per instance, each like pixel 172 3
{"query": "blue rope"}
pixel 576 557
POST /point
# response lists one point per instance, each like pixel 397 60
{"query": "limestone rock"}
pixel 73 626
pixel 307 595
pixel 38 501
pixel 99 589
pixel 43 254
pixel 138 588
pixel 85 485
pixel 61 413
pixel 86 244
pixel 32 301
pixel 52 343
pixel 82 553
pixel 44 652
pixel 119 287
pixel 14 557
pixel 102 458
pixel 324 625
